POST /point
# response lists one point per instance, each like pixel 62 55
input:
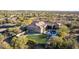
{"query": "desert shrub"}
pixel 31 44
pixel 61 43
pixel 63 31
pixel 19 42
pixel 1 38
pixel 5 45
pixel 27 22
pixel 15 30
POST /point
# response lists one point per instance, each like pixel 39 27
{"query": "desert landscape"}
pixel 22 29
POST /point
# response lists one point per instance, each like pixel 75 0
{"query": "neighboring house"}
pixel 4 19
pixel 13 18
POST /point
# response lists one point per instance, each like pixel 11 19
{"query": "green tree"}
pixel 27 21
pixel 1 38
pixel 15 30
pixel 3 43
pixel 20 42
pixel 6 45
pixel 63 31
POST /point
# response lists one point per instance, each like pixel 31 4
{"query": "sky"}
pixel 52 5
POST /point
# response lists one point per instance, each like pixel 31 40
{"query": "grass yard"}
pixel 37 38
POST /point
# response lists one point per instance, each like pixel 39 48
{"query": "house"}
pixel 33 28
pixel 42 27
pixel 37 27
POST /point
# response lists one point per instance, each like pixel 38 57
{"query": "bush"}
pixel 63 31
pixel 61 43
pixel 19 42
pixel 15 30
pixel 1 37
pixel 5 45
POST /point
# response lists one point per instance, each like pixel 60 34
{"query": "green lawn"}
pixel 37 38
